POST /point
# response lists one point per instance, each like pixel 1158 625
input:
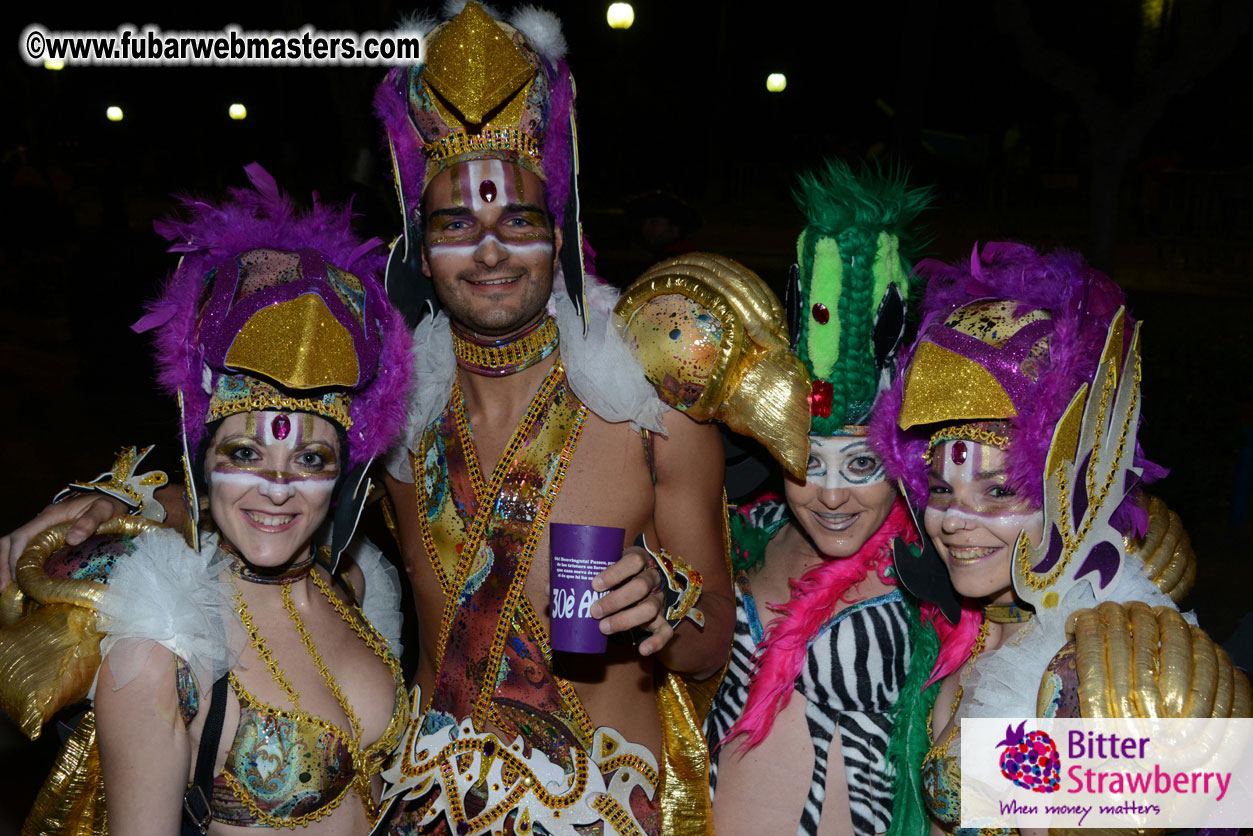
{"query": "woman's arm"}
pixel 145 752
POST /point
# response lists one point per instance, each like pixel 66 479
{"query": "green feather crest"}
pixel 858 239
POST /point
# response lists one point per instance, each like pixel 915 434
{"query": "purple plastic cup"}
pixel 579 553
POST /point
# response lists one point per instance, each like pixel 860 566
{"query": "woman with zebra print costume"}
pixel 821 562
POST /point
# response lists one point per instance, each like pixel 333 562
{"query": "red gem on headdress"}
pixel 820 397
pixel 280 426
pixel 487 191
pixel 821 314
pixel 958 452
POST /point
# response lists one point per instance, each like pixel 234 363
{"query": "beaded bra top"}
pixel 288 767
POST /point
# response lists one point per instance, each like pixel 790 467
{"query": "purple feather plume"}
pixel 211 235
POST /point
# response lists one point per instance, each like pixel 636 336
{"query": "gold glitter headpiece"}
pixel 482 92
pixel 992 433
pixel 486 89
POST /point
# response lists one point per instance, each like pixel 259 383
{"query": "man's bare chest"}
pixel 608 482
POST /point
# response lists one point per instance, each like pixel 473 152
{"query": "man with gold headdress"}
pixel 530 408
pixel 522 368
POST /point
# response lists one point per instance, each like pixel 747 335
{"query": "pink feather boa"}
pixel 816 596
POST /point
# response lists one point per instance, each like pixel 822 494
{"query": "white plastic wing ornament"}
pixel 516 780
pixel 1087 474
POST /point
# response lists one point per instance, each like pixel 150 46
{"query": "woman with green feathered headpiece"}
pixel 821 561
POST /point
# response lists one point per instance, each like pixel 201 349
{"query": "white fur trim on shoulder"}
pixel 434 369
pixel 995 686
pixel 543 29
pixel 168 594
pixel 601 369
pixel 380 600
pixel 396 460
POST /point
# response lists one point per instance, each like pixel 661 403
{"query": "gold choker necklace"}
pixel 1009 613
pixel 499 358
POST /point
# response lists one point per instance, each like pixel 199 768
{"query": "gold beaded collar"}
pixel 1009 613
pixel 499 358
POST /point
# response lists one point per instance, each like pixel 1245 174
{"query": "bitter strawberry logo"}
pixel 1030 759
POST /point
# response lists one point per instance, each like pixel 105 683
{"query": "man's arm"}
pixel 688 515
pixel 88 511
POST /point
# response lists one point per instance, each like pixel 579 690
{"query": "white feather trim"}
pixel 168 594
pixel 434 369
pixel 543 29
pixel 601 369
pixel 996 686
pixel 380 600
pixel 416 23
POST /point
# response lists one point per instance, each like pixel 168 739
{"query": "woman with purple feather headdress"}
pixel 1013 423
pixel 243 674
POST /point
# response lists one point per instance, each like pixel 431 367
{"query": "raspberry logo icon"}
pixel 1030 759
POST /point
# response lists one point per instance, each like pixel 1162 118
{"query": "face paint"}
pixel 270 490
pixel 480 182
pixel 974 518
pixel 845 498
pixel 492 264
pixel 842 461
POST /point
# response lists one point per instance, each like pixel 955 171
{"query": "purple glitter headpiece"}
pixel 262 312
pixel 1010 336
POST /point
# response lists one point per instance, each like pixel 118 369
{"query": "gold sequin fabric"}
pixel 992 321
pixel 677 341
pixel 481 92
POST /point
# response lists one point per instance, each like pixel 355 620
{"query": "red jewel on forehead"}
pixel 487 191
pixel 958 452
pixel 280 427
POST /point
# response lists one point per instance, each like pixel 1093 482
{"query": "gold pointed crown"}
pixel 482 91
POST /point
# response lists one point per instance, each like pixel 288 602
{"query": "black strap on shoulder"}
pixel 197 813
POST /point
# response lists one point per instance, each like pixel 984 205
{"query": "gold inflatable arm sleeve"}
pixel 49 647
pixel 1137 661
pixel 1166 551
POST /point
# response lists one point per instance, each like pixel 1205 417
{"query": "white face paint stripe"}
pixel 307 487
pixel 462 249
pixel 476 171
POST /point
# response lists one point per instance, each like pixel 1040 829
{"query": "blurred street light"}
pixel 776 82
pixel 54 64
pixel 238 112
pixel 113 113
pixel 620 15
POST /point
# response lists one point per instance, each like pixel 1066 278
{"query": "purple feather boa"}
pixel 263 217
pixel 1081 301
